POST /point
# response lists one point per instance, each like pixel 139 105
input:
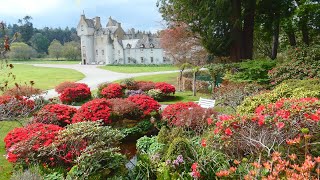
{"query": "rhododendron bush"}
pixel 23 144
pixel 62 114
pixel 171 112
pixel 64 85
pixel 75 94
pixel 145 85
pixel 112 91
pixel 97 109
pixel 145 103
pixel 123 108
pixel 13 107
pixel 280 124
pixel 165 88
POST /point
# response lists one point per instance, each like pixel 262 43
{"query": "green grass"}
pixel 169 78
pixel 44 61
pixel 185 96
pixel 139 69
pixel 5 166
pixel 44 78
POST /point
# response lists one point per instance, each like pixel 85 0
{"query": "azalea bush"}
pixel 61 113
pixel 64 85
pixel 171 112
pixel 100 87
pixel 156 94
pixel 97 109
pixel 79 93
pixel 145 85
pixel 165 88
pixel 112 91
pixel 15 107
pixel 147 104
pixel 123 108
pixel 273 127
pixel 23 144
pixel 88 149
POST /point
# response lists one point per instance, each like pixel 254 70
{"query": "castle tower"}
pixel 85 31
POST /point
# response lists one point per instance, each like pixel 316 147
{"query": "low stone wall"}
pixel 201 86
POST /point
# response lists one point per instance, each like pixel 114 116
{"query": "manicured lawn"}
pixel 169 78
pixel 5 166
pixel 185 96
pixel 41 61
pixel 139 69
pixel 44 78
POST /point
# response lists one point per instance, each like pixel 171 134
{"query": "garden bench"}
pixel 206 103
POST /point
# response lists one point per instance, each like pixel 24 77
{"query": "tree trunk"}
pixel 305 34
pixel 194 87
pixel 180 81
pixel 291 35
pixel 275 41
pixel 236 33
pixel 248 28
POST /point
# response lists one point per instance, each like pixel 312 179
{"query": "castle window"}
pixel 142 61
pixel 142 46
pixel 151 59
pixel 96 52
pixel 102 52
pixel 151 45
pixel 128 46
pixel 118 51
pixel 81 27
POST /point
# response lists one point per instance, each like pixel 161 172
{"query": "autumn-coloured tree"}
pixel 182 45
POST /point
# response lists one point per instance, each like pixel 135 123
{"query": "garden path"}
pixel 94 75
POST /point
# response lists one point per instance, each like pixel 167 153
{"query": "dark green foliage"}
pixel 137 131
pixel 252 71
pixel 180 146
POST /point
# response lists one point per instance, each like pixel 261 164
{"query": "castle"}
pixel 112 45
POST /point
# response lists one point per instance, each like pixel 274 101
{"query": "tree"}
pixel 39 42
pixel 55 49
pixel 72 50
pixel 26 28
pixel 20 50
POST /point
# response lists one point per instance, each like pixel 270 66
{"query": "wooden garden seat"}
pixel 206 103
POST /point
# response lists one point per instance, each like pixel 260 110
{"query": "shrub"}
pixel 64 85
pixel 87 146
pixel 165 88
pixel 62 113
pixel 100 87
pixel 287 89
pixel 112 91
pixel 22 90
pixel 14 107
pixel 253 71
pixel 129 83
pixel 22 144
pixel 134 92
pixel 147 104
pixel 149 145
pixel 171 112
pixel 303 63
pixel 97 109
pixel 272 128
pixel 145 85
pixel 123 108
pixel 156 94
pixel 79 93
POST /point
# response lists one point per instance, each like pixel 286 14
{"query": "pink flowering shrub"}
pixel 171 112
pixel 277 124
pixel 62 113
pixel 75 94
pixel 97 109
pixel 22 144
pixel 147 104
pixel 165 88
pixel 145 85
pixel 123 108
pixel 112 91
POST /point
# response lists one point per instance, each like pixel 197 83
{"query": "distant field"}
pixel 139 68
pixel 44 61
pixel 44 78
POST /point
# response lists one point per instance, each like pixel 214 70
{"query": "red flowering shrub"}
pixel 62 113
pixel 76 94
pixel 282 123
pixel 12 107
pixel 145 85
pixel 165 88
pixel 97 109
pixel 100 87
pixel 123 108
pixel 171 112
pixel 145 103
pixel 64 85
pixel 23 143
pixel 112 91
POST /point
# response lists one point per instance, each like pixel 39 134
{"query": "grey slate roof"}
pixel 90 22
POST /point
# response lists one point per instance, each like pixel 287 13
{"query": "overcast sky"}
pixel 139 14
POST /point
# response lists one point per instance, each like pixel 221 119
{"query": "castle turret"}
pixel 85 30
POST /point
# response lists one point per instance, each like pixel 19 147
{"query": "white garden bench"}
pixel 206 103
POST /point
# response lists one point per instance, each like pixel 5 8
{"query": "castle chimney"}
pixel 97 22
